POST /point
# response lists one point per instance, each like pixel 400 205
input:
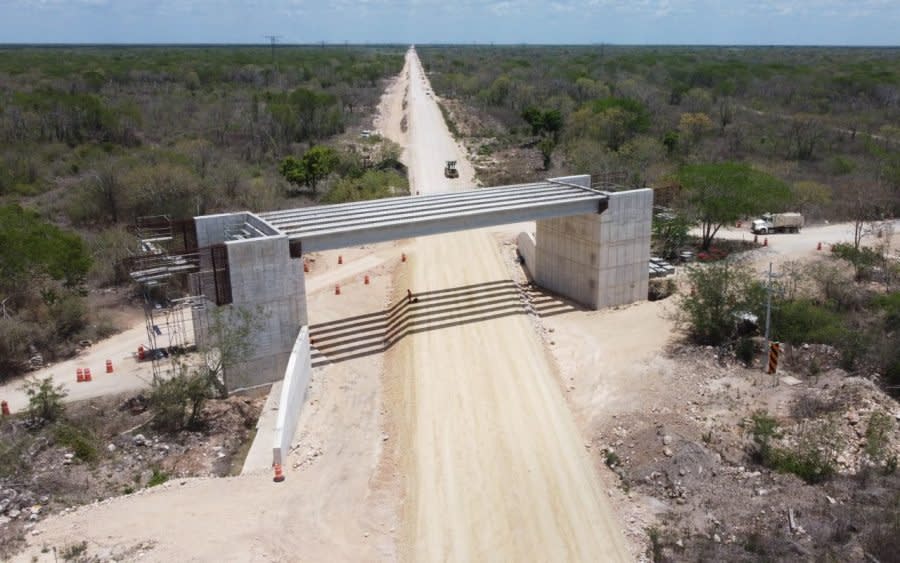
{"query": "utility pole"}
pixel 273 39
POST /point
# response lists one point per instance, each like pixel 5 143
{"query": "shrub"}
pixel 45 401
pixel 878 436
pixel 745 351
pixel 803 321
pixel 81 441
pixel 157 478
pixel 177 402
pixel 720 293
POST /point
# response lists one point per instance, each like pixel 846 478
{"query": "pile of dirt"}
pixel 107 447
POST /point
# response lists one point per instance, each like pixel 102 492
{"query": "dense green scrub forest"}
pixel 93 137
pixel 826 121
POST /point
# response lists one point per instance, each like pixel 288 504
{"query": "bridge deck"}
pixel 336 226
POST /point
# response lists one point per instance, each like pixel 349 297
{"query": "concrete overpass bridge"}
pixel 591 246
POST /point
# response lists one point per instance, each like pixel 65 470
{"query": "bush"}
pixel 813 459
pixel 746 351
pixel 878 436
pixel 803 321
pixel 81 441
pixel 45 401
pixel 178 402
pixel 158 478
pixel 720 292
pixel 374 184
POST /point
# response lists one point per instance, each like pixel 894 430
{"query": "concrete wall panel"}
pixel 293 394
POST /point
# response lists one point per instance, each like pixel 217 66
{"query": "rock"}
pixel 830 500
pixel 680 543
pixel 111 448
pixel 44 499
pixel 139 440
pixel 853 418
pixel 716 538
pixel 682 472
pixel 668 452
pixel 35 510
pixel 14 513
pixel 790 380
pixel 667 440
pixel 4 521
pixel 384 437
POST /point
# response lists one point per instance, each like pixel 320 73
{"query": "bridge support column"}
pixel 263 278
pixel 598 260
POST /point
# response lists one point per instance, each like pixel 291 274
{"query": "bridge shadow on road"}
pixel 374 333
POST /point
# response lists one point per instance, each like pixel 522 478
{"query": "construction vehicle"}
pixel 777 223
pixel 450 170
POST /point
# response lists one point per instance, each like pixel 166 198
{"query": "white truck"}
pixel 777 223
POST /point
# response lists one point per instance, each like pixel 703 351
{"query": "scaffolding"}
pixel 178 283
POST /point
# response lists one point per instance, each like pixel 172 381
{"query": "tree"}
pixel 45 400
pixel 31 247
pixel 716 194
pixel 811 196
pixel 315 164
pixel 693 125
pixel 546 122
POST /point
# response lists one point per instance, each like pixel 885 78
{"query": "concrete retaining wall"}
pixel 526 246
pixel 293 395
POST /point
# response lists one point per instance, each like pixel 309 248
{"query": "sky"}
pixel 714 22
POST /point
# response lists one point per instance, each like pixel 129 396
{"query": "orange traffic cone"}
pixel 79 375
pixel 337 289
pixel 403 257
pixel 87 375
pixel 755 239
pixel 279 474
pixel 306 266
pixel 366 280
pixel 819 246
pixel 109 368
pixel 766 241
pixel 4 408
pixel 340 259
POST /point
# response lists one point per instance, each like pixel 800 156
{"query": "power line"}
pixel 273 39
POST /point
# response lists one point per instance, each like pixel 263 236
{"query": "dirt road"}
pixel 129 374
pixel 494 463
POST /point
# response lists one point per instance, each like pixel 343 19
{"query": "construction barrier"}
pixel 87 375
pixel 774 350
pixel 79 375
pixel 279 473
pixel 141 353
pixel 109 366
pixel 766 241
pixel 4 408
